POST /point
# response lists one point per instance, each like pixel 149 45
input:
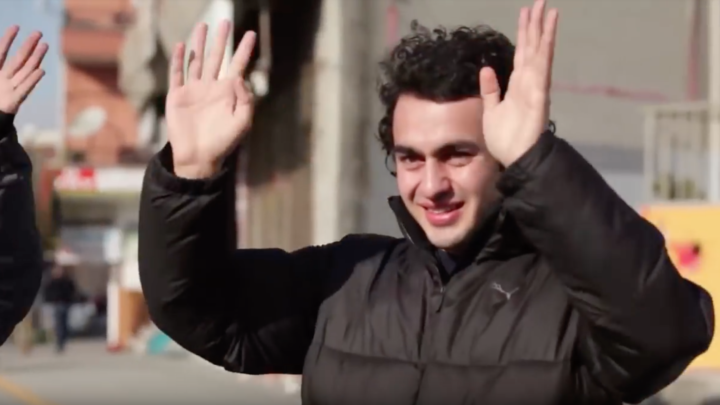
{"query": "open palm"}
pixel 206 115
pixel 20 75
pixel 513 125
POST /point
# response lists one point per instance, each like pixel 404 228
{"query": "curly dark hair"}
pixel 441 65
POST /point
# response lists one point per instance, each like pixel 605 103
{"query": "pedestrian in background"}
pixel 61 293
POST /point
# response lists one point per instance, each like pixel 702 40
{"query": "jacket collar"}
pixel 497 235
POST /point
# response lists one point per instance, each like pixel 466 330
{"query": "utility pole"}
pixel 714 100
pixel 328 126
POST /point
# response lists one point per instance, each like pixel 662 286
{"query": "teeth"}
pixel 441 210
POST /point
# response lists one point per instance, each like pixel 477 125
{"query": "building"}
pixel 103 163
pixel 44 147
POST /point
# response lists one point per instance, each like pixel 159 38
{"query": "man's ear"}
pixel 390 164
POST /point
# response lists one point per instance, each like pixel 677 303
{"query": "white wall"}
pixel 217 11
pixel 328 123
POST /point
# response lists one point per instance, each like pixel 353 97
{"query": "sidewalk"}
pixel 693 388
pixel 87 374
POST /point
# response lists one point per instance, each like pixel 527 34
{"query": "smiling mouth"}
pixel 443 210
pixel 444 215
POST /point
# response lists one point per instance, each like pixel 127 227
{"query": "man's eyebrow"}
pixel 405 150
pixel 463 145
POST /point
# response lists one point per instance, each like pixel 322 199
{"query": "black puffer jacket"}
pixel 21 256
pixel 568 297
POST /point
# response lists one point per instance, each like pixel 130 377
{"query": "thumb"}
pixel 489 87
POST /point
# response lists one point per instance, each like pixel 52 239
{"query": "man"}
pixel 61 292
pixel 522 277
pixel 21 259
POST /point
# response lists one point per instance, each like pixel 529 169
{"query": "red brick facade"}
pixel 91 41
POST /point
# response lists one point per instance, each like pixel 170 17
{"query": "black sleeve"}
pixel 249 311
pixel 21 259
pixel 643 322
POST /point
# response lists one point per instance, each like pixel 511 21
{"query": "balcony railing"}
pixel 679 158
pixel 94 41
pixel 117 21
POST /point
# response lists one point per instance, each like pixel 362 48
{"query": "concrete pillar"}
pixel 340 111
pixel 328 123
pixel 713 16
pixel 113 313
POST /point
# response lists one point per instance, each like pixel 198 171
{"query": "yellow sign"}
pixel 692 236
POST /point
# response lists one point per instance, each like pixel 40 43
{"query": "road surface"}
pixel 87 374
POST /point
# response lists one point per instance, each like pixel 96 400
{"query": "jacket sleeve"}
pixel 643 323
pixel 21 259
pixel 250 311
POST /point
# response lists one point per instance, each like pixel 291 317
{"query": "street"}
pixel 87 374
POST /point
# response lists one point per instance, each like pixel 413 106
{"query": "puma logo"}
pixel 499 288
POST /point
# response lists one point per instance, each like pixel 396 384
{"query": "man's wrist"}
pixel 197 171
pixel 514 154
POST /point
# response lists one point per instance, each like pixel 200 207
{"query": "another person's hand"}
pixel 513 125
pixel 207 116
pixel 20 74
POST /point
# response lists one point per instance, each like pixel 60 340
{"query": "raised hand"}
pixel 513 125
pixel 19 75
pixel 206 115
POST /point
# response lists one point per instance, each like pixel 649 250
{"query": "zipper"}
pixel 405 233
pixel 441 300
pixel 433 307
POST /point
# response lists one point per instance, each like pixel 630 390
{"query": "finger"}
pixel 217 54
pixel 27 86
pixel 6 42
pixel 31 65
pixel 535 27
pixel 489 88
pixel 242 55
pixel 23 54
pixel 197 54
pixel 243 94
pixel 177 68
pixel 521 41
pixel 547 43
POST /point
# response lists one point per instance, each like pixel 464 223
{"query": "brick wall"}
pixel 89 86
pixel 92 76
pixel 102 11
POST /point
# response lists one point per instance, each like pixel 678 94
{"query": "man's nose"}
pixel 435 180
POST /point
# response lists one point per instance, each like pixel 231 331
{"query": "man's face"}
pixel 445 175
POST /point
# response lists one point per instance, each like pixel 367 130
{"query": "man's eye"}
pixel 410 162
pixel 409 158
pixel 460 159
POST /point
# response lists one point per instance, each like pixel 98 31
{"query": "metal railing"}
pixel 679 159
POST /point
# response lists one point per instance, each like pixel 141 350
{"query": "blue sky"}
pixel 42 108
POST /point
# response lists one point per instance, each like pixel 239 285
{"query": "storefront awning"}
pixel 92 181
